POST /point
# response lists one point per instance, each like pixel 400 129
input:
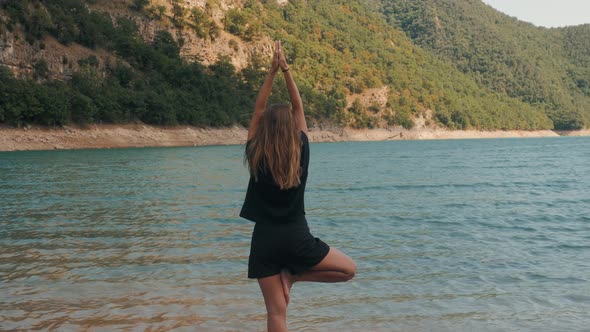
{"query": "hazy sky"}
pixel 547 13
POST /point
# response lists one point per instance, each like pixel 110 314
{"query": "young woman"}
pixel 283 251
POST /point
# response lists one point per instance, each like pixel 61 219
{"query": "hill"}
pixel 545 68
pixel 201 63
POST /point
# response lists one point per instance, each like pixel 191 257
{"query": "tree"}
pixel 178 13
pixel 139 5
pixel 165 43
pixel 40 69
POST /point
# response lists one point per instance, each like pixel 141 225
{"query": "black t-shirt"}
pixel 266 202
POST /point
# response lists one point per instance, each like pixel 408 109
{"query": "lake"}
pixel 448 235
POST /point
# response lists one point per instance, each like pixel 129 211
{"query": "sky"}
pixel 547 13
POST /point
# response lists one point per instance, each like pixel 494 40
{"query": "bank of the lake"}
pixel 139 135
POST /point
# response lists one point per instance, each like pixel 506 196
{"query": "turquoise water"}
pixel 461 235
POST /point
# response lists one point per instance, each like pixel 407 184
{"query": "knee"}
pixel 277 312
pixel 350 271
pixel 277 317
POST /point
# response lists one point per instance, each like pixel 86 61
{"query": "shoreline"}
pixel 139 135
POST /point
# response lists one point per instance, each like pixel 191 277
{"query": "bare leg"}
pixel 276 306
pixel 335 267
pixel 286 282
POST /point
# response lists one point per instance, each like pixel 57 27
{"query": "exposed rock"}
pixel 110 136
pixel 19 56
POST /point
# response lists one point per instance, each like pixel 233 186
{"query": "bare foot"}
pixel 287 282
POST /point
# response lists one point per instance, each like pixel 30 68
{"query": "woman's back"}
pixel 266 202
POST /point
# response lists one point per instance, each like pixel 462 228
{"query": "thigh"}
pixel 336 261
pixel 303 250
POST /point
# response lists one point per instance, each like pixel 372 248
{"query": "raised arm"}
pixel 263 94
pixel 296 103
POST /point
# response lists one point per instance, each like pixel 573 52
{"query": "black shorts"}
pixel 284 246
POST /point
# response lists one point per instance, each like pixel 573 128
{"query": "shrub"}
pixel 139 5
pixel 40 69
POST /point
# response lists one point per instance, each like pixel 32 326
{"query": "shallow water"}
pixel 461 235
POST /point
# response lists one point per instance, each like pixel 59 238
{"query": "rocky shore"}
pixel 139 135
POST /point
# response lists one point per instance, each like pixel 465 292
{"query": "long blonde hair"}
pixel 276 147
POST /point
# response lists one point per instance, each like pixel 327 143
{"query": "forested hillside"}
pixel 482 71
pixel 546 68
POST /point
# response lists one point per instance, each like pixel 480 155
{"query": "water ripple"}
pixel 472 235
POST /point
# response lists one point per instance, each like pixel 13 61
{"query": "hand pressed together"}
pixel 278 59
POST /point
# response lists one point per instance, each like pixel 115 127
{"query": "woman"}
pixel 283 251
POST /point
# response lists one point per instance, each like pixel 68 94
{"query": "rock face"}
pixel 16 56
pixel 62 61
pixel 20 56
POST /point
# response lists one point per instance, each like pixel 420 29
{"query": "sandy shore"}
pixel 137 135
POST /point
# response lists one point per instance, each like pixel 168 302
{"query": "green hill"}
pixel 484 71
pixel 546 68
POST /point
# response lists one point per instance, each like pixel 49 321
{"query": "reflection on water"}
pixel 488 235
